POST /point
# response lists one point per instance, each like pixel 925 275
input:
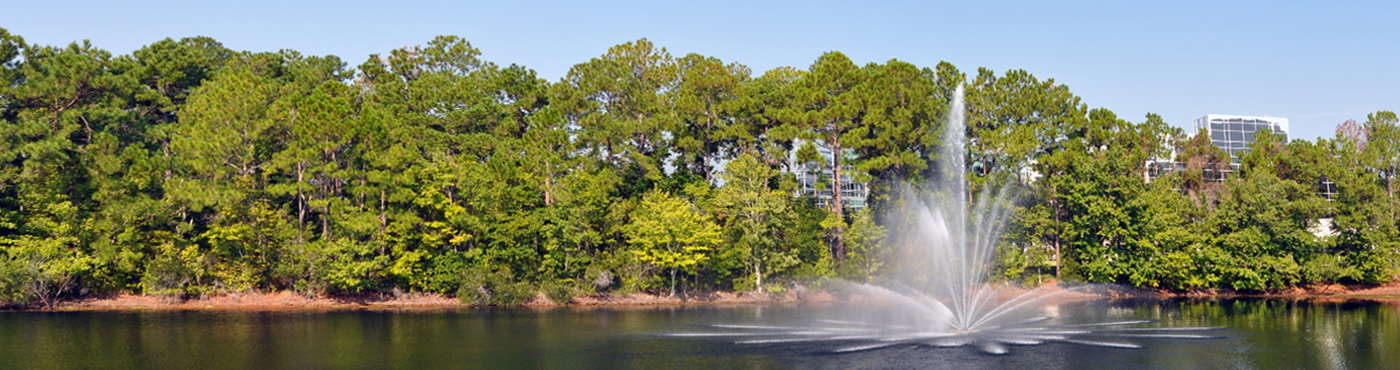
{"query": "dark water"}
pixel 1261 334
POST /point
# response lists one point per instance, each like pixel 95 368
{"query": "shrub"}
pixel 170 271
pixel 1327 268
pixel 599 279
pixel 483 287
pixel 1370 267
pixel 558 292
pixel 775 287
pixel 743 284
pixel 13 277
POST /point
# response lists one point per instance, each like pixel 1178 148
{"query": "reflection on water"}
pixel 1262 334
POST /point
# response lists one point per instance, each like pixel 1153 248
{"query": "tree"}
pixel 829 109
pixel 1092 216
pixel 668 232
pixel 867 238
pixel 1383 148
pixel 1366 205
pixel 1206 168
pixel 765 121
pixel 231 133
pixel 617 102
pixel 47 256
pixel 704 100
pixel 753 207
pixel 1014 119
pixel 58 104
pixel 171 70
pixel 904 108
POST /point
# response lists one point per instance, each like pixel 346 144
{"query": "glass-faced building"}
pixel 1233 134
pixel 814 179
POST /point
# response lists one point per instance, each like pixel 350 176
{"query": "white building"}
pixel 1164 163
pixel 1233 133
pixel 810 175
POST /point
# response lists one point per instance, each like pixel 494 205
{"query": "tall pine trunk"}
pixel 836 206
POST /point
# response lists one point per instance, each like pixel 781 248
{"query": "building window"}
pixel 1326 188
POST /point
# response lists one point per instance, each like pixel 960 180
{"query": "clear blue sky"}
pixel 1316 64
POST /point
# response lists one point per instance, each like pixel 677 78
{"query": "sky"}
pixel 1316 64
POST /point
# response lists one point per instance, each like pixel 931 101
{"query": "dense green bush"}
pixel 481 286
pixel 346 266
pixel 14 278
pixel 557 291
pixel 1325 268
pixel 170 272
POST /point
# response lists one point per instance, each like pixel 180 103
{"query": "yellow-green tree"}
pixel 670 233
pixel 866 237
pixel 755 209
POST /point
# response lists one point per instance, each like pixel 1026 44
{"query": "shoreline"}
pixel 285 300
pixel 290 301
pixel 1387 290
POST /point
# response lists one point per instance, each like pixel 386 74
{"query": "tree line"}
pixel 189 169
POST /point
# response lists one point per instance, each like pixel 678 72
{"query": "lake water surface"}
pixel 1259 334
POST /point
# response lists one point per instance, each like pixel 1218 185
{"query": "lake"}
pixel 1257 334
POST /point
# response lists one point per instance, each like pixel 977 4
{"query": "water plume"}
pixel 956 307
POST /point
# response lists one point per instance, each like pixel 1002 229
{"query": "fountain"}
pixel 959 308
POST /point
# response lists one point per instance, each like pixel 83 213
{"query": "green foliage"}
pixel 670 233
pixel 346 266
pixel 867 251
pixel 757 211
pixel 481 286
pixel 14 277
pixel 557 291
pixel 172 271
pixel 187 169
pixel 1328 269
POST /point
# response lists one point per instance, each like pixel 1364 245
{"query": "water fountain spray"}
pixel 962 309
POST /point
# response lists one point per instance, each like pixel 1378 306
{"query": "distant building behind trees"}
pixel 1233 133
pixel 814 177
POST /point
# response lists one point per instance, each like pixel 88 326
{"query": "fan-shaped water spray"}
pixel 958 307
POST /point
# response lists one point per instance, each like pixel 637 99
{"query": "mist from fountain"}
pixel 958 307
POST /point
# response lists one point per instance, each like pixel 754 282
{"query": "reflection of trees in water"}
pixel 1321 334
